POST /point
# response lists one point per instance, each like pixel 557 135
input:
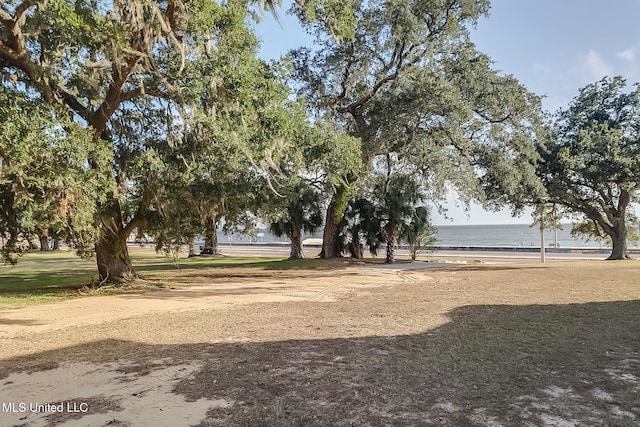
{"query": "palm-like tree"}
pixel 303 212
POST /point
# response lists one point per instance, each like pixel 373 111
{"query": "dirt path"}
pixel 348 347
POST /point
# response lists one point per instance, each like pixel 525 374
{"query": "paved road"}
pixel 515 257
pixel 448 256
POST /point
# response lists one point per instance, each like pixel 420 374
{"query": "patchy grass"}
pixel 49 276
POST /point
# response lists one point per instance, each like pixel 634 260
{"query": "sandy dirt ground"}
pixel 141 359
pixel 34 398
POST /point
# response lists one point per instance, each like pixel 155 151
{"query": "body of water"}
pixel 464 235
pixel 510 235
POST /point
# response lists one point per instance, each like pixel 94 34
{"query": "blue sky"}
pixel 557 47
pixel 553 47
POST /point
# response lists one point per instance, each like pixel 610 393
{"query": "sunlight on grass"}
pixel 47 276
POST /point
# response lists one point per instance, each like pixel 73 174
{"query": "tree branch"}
pixel 5 17
pixel 142 91
pixel 396 62
pixel 113 98
pixel 345 79
pixel 492 120
pixel 169 31
pixel 21 9
pixel 14 54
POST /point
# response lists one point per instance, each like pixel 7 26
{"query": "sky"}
pixel 553 47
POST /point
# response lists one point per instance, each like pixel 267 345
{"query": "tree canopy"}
pixel 165 113
pixel 140 76
pixel 412 83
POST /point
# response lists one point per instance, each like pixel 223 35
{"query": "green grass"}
pixel 41 277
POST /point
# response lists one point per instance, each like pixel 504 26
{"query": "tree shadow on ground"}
pixel 576 364
pixel 24 322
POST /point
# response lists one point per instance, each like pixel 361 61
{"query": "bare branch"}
pixel 74 104
pixel 345 79
pixel 5 17
pixel 167 28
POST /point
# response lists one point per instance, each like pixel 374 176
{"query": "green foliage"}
pixel 301 210
pixel 360 227
pixel 334 158
pixel 243 135
pixel 182 125
pixel 592 160
pixel 174 91
pixel 390 209
pixel 590 230
pixel 396 195
pixel 335 17
pixel 46 183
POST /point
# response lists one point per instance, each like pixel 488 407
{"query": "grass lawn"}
pixel 41 277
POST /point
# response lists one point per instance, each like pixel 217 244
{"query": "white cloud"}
pixel 629 54
pixel 596 67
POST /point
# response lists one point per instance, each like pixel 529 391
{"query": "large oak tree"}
pixel 592 161
pixel 46 187
pixel 121 69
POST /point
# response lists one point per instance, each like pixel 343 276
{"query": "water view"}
pixel 520 235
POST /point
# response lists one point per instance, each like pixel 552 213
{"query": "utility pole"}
pixel 542 248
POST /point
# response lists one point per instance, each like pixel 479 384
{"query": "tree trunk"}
pixel 331 247
pixel 112 254
pixel 112 257
pixel 211 238
pixel 618 232
pixel 330 241
pixel 413 249
pixel 296 244
pixel 355 247
pixel 390 234
pixel 619 240
pixel 44 244
pixel 56 244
